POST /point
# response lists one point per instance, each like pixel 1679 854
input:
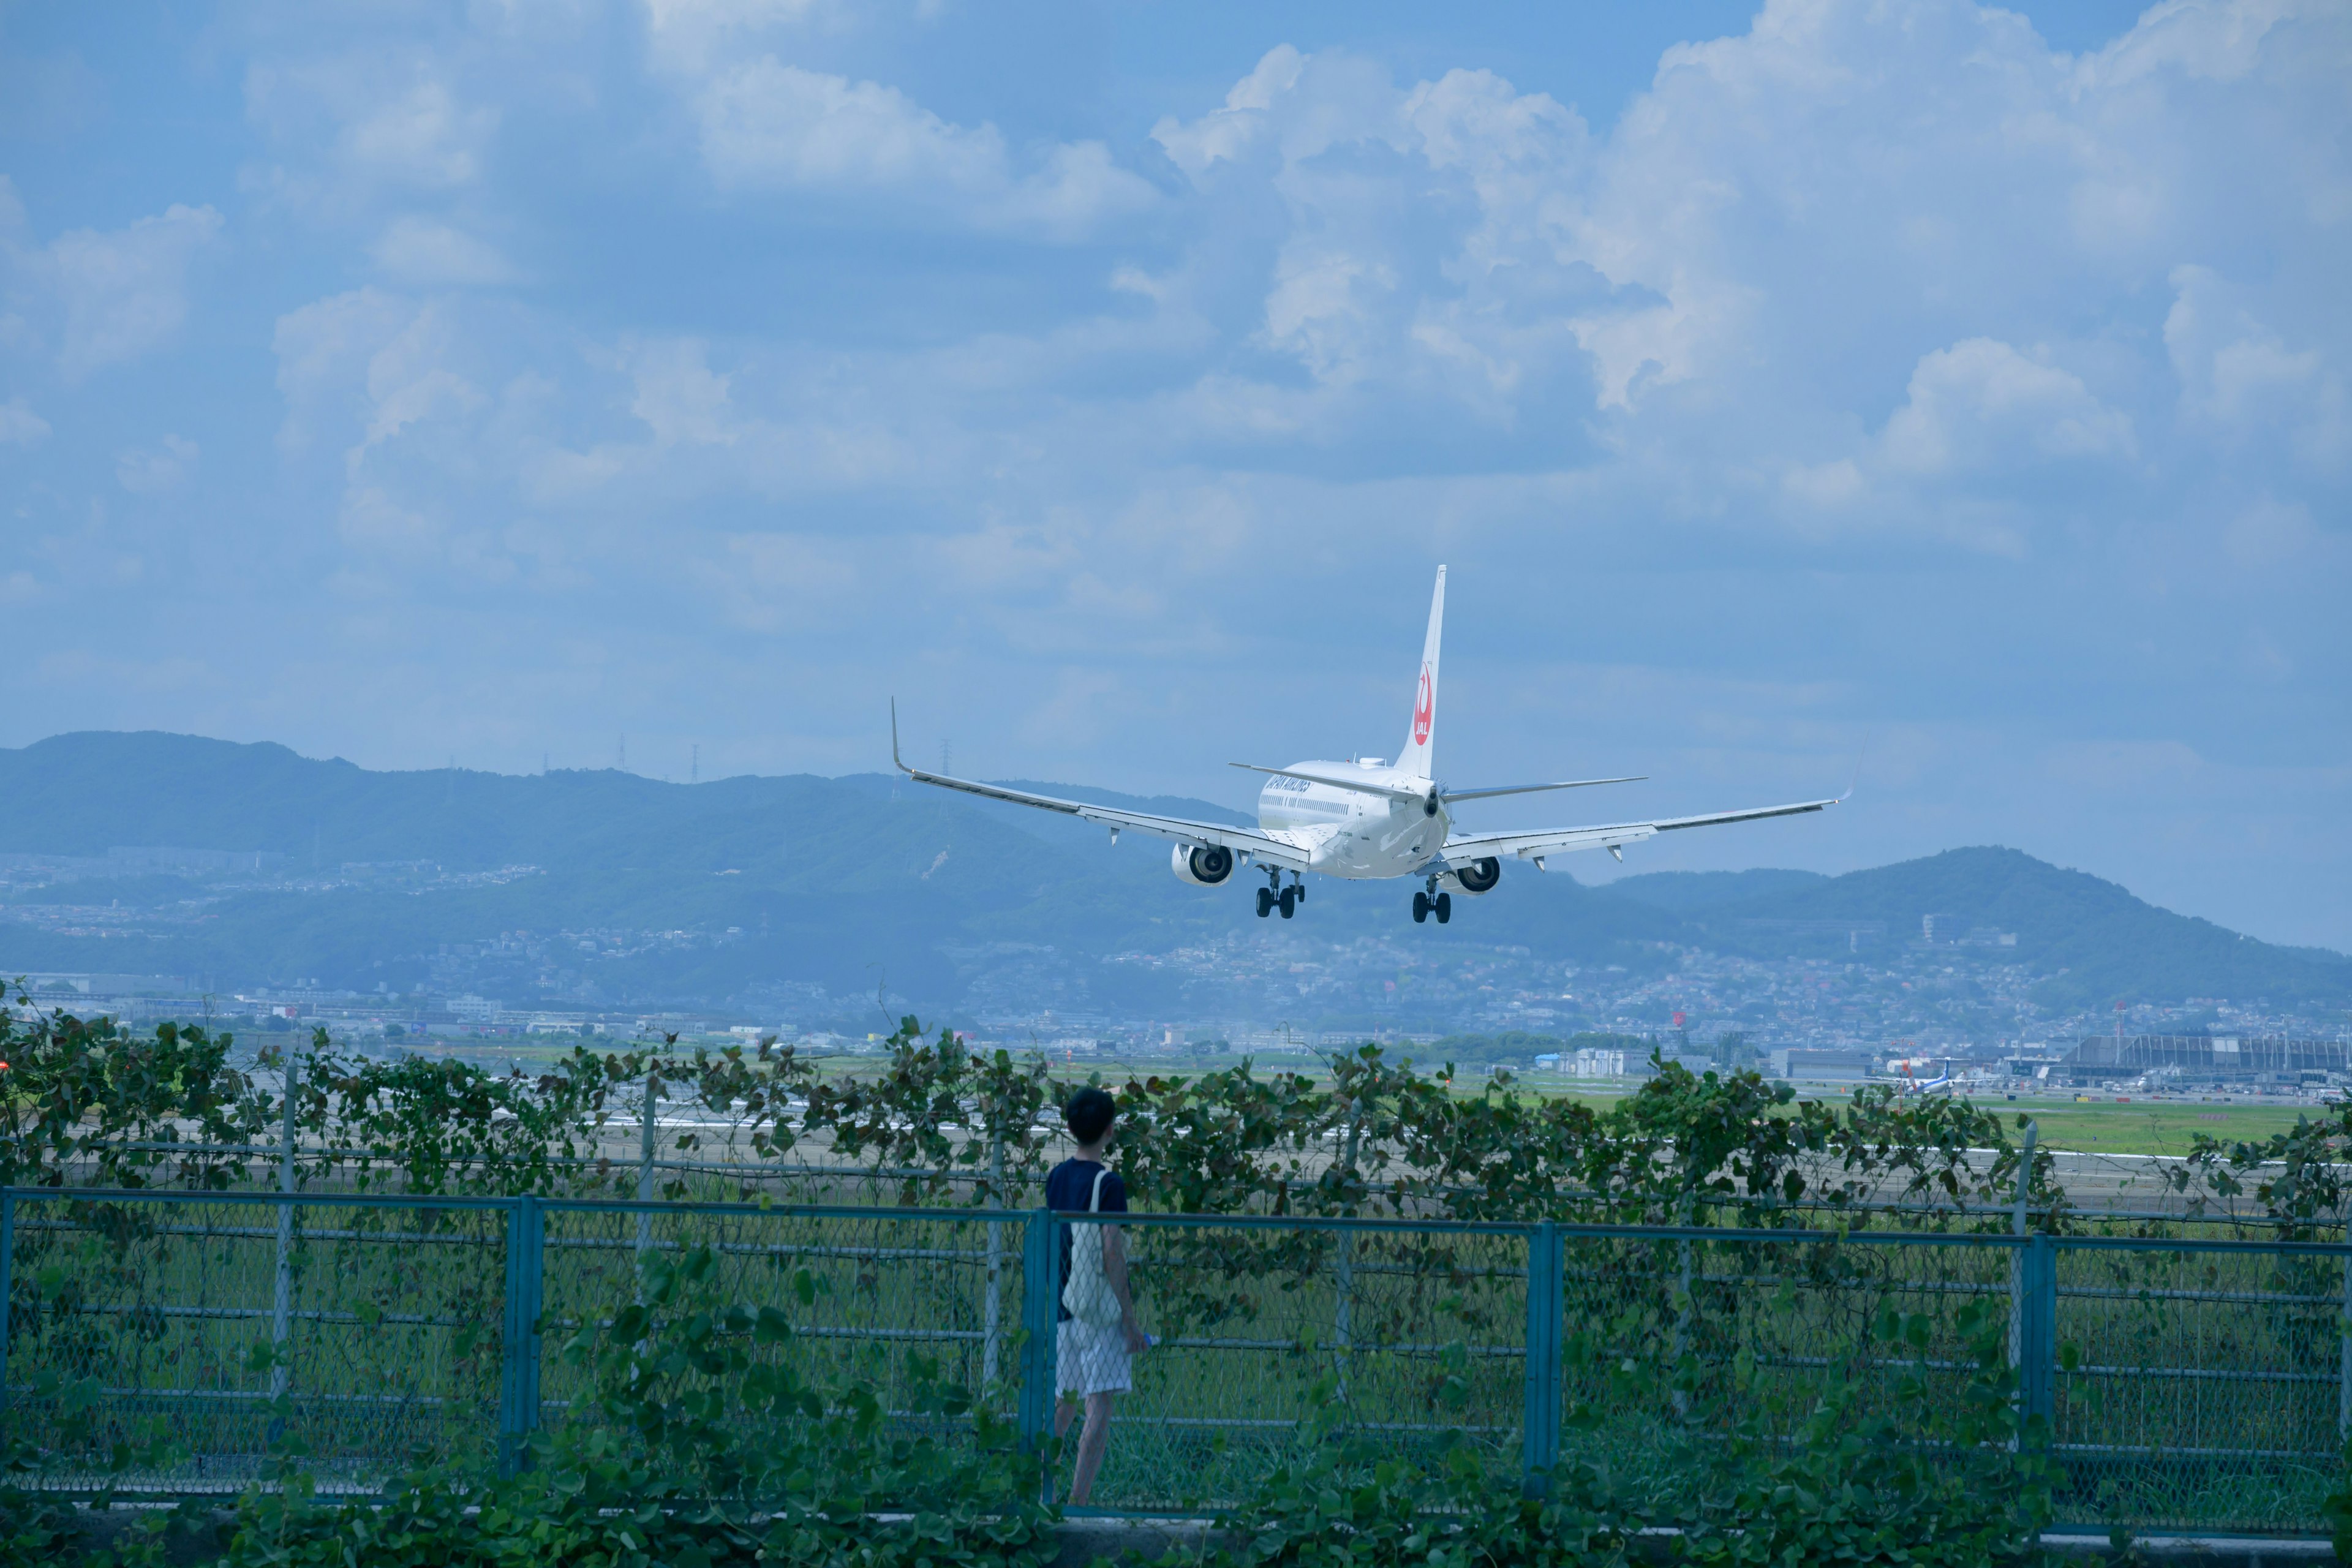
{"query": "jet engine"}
pixel 1479 877
pixel 1205 867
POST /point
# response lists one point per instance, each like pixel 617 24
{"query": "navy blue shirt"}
pixel 1071 1186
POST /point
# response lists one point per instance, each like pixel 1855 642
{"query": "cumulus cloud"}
pixel 678 396
pixel 424 252
pixel 1228 134
pixel 158 469
pixel 1980 402
pixel 422 137
pixel 767 124
pixel 774 582
pixel 323 350
pixel 125 292
pixel 19 426
pixel 2239 375
pixel 377 121
pixel 688 35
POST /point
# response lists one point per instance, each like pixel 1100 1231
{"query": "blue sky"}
pixel 1960 390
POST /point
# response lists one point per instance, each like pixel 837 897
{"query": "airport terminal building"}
pixel 2244 1060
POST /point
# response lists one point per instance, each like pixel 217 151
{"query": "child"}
pixel 1092 1359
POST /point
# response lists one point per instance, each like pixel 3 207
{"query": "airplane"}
pixel 1913 1084
pixel 1364 819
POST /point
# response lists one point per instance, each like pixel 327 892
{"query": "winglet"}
pixel 1859 752
pixel 894 740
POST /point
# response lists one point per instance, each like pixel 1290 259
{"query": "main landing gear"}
pixel 1431 900
pixel 1274 896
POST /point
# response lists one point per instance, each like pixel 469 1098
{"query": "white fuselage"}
pixel 1351 834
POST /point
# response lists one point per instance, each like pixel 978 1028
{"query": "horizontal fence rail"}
pixel 2179 1382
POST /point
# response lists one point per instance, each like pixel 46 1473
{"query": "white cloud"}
pixel 1824 487
pixel 1225 134
pixel 677 396
pixel 416 376
pixel 377 121
pixel 19 426
pixel 765 124
pixel 688 35
pixel 374 522
pixel 323 350
pixel 1980 404
pixel 125 292
pixel 2239 375
pixel 157 471
pixel 2271 534
pixel 390 361
pixel 422 137
pixel 424 252
pixel 768 122
pixel 774 582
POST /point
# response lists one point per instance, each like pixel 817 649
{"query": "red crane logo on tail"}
pixel 1424 707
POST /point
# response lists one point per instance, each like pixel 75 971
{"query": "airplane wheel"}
pixel 1301 890
pixel 1264 901
pixel 1444 908
pixel 1290 901
pixel 1420 908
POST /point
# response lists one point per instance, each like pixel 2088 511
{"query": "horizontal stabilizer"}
pixel 1358 786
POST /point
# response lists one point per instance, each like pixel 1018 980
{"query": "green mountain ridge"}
pixel 867 883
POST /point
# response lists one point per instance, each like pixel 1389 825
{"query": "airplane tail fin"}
pixel 1420 739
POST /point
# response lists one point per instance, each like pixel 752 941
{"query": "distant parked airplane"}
pixel 1363 819
pixel 1940 1084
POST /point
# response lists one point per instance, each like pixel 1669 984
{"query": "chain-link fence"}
pixel 2183 1382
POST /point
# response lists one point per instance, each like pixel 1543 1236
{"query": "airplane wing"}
pixel 1242 841
pixel 1536 847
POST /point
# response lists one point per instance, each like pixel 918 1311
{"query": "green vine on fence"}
pixel 89 1103
pixel 134 1109
pixel 709 1437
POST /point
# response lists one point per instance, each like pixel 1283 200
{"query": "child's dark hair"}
pixel 1089 1114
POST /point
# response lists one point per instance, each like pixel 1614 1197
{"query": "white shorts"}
pixel 1090 1360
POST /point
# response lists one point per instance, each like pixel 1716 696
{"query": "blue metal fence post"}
pixel 281 1310
pixel 1038 1266
pixel 7 1283
pixel 519 1380
pixel 2037 1346
pixel 1540 1440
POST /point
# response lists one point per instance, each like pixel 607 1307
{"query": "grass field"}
pixel 2152 1127
pixel 2104 1126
